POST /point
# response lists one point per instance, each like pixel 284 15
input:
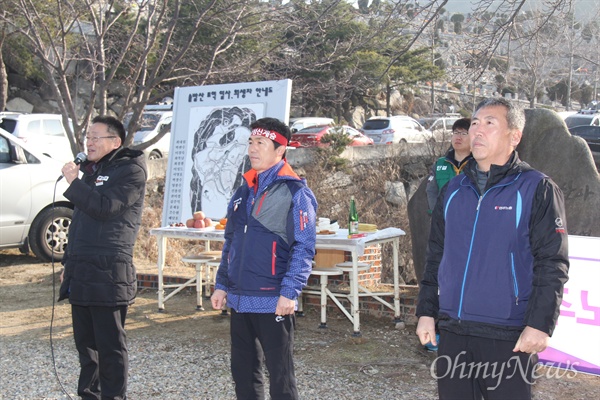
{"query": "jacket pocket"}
pixel 488 291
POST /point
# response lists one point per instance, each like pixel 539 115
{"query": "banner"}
pixel 209 143
pixel 575 343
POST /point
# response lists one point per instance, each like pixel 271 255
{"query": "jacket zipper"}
pixel 462 289
pixel 239 296
pixel 273 257
pixel 514 278
pixel 262 198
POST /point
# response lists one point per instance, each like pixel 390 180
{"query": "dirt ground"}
pixel 383 353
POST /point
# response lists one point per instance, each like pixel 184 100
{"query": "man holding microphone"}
pixel 99 278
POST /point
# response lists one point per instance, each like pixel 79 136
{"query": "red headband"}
pixel 274 136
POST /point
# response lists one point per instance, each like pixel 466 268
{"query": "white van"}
pixel 44 133
pixel 35 215
pixel 396 129
pixel 154 120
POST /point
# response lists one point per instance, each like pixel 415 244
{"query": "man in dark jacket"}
pixel 99 276
pixel 267 258
pixel 496 265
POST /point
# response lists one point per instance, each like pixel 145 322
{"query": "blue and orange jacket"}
pixel 270 236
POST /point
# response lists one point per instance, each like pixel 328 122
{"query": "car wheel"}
pixel 154 155
pixel 49 233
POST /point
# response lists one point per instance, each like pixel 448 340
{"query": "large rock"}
pixel 419 222
pixel 548 146
pixel 19 105
pixel 395 193
pixel 357 117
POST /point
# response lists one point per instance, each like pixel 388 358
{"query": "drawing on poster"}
pixel 219 155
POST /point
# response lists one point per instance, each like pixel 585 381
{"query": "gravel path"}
pixel 184 354
pixel 171 368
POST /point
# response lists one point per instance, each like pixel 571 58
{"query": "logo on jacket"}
pixel 236 203
pixel 559 225
pixel 101 179
pixel 503 208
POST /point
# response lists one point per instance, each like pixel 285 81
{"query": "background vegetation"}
pixel 115 56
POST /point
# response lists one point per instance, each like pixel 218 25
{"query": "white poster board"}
pixel 209 143
pixel 575 343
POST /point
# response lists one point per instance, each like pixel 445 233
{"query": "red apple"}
pixel 199 223
pixel 190 223
pixel 207 222
pixel 199 215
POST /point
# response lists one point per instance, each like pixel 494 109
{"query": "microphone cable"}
pixel 62 388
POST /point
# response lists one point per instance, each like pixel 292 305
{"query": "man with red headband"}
pixel 267 258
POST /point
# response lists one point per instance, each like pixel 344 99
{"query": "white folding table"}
pixel 339 241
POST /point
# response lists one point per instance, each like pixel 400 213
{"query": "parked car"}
pixel 565 114
pixel 311 137
pixel 583 117
pixel 440 127
pixel 30 218
pixel 396 129
pixel 589 133
pixel 297 124
pixel 154 120
pixel 42 132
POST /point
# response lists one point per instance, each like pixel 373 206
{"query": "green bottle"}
pixel 352 218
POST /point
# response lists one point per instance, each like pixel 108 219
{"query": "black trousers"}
pixel 470 367
pixel 100 339
pixel 258 337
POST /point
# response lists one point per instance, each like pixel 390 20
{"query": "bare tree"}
pixel 3 74
pixel 340 57
pixel 535 52
pixel 487 35
pixel 104 44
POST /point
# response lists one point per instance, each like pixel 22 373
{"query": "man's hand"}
pixel 532 341
pixel 218 299
pixel 70 171
pixel 62 276
pixel 426 330
pixel 285 306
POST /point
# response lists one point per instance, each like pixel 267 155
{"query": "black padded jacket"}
pixel 108 201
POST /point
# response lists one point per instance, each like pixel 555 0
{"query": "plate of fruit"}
pixel 199 220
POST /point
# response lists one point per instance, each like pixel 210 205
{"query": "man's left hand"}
pixel 532 341
pixel 285 306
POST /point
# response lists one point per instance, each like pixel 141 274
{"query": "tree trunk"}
pixel 3 78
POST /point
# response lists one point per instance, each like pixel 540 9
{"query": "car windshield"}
pixel 148 121
pixel 8 124
pixel 577 120
pixel 312 129
pixel 375 124
pixel 426 122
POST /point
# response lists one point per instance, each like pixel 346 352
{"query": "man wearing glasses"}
pixel 452 163
pixel 99 277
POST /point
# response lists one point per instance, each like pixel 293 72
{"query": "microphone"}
pixel 79 158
